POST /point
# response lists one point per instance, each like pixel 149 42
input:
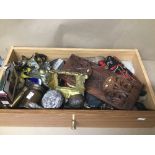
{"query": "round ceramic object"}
pixel 52 99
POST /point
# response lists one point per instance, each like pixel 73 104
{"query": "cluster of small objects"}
pixel 33 91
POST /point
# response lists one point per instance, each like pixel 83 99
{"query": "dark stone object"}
pixel 76 101
pixel 92 101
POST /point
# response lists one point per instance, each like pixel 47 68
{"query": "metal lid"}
pixel 38 87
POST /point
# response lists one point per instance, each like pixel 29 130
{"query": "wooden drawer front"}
pixel 35 118
pixel 124 119
pixel 83 118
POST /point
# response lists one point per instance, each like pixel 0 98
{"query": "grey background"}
pixel 138 34
pixel 80 33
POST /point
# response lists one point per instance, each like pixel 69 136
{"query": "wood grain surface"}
pixel 84 118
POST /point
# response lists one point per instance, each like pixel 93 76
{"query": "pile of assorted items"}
pixel 72 83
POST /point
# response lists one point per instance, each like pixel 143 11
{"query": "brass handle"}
pixel 73 125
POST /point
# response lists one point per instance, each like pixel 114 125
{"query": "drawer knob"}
pixel 73 125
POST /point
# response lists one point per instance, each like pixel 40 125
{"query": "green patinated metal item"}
pixel 71 90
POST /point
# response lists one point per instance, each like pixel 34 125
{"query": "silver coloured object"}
pixel 57 64
pixel 32 105
pixel 52 99
pixel 32 63
pixel 1 61
pixel 95 59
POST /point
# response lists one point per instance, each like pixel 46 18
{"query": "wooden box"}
pixel 82 118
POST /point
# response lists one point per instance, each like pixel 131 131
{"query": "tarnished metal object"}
pixel 21 63
pixel 20 85
pixel 71 90
pixel 25 73
pixel 31 105
pixel 35 67
pixel 38 66
pixel 56 64
pixel 8 85
pixel 19 97
pixel 40 58
pixel 44 75
pixel 32 63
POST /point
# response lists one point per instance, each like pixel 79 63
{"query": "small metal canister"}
pixel 33 95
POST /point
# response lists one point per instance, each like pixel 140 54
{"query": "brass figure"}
pixel 78 88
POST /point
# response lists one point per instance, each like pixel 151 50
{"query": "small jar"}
pixel 33 95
